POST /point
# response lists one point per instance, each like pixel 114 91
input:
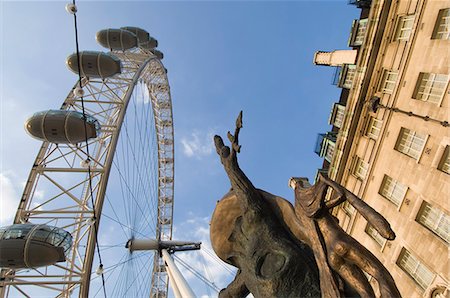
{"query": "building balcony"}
pixel 337 115
pixel 360 3
pixel 358 33
pixel 346 75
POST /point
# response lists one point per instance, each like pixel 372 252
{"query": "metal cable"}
pixel 87 151
pixel 196 273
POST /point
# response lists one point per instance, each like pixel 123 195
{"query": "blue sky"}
pixel 222 57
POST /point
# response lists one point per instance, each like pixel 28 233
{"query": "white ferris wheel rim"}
pixel 113 97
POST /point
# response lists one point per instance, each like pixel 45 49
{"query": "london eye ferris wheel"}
pixel 107 156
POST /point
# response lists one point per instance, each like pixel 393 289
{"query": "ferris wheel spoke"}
pixel 144 280
pixel 136 164
pixel 109 272
pixel 137 270
pixel 121 282
pixel 139 207
pixel 120 157
pixel 116 217
pixel 125 226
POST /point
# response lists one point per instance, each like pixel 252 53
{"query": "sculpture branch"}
pixel 228 157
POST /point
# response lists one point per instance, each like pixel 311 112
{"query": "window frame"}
pixel 410 139
pixel 429 82
pixel 359 31
pixel 444 163
pixel 440 223
pixel 329 153
pixel 443 19
pixel 348 208
pixel 338 110
pixel 360 166
pixel 348 69
pixel 386 81
pixel 417 265
pixel 374 124
pixel 400 28
pixel 390 187
pixel 376 237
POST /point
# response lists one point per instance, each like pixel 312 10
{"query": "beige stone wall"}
pixel 425 182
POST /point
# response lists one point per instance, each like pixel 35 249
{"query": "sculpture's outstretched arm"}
pixel 373 217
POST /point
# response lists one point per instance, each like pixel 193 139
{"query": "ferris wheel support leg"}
pixel 2 291
pixel 174 286
pixel 178 279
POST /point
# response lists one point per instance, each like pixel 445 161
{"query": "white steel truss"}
pixel 58 193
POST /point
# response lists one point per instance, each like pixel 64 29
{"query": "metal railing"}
pixel 360 3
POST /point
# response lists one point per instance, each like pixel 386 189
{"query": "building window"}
pixel 410 143
pixel 361 167
pixel 337 115
pixel 421 274
pixel 442 27
pixel 393 190
pixel 434 219
pixel 348 208
pixel 349 74
pixel 370 230
pixel 444 164
pixel 359 30
pixel 430 87
pixel 374 128
pixel 329 150
pixel 404 27
pixel 388 81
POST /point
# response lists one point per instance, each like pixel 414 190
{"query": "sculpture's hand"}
pixel 344 254
pixel 348 257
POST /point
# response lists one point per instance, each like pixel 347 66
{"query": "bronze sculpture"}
pixel 282 251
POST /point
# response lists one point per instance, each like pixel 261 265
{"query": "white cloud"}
pixel 8 200
pixel 204 261
pixel 198 144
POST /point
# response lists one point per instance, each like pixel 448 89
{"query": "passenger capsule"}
pixel 117 39
pixel 141 34
pixel 150 44
pixel 144 39
pixel 158 54
pixel 61 127
pixel 31 245
pixel 95 64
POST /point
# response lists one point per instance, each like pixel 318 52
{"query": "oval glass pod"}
pixel 61 126
pixel 151 43
pixel 144 39
pixel 95 64
pixel 158 54
pixel 117 39
pixel 30 245
pixel 141 34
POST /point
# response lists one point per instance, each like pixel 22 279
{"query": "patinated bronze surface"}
pixel 282 251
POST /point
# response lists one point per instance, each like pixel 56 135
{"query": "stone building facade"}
pixel 390 138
